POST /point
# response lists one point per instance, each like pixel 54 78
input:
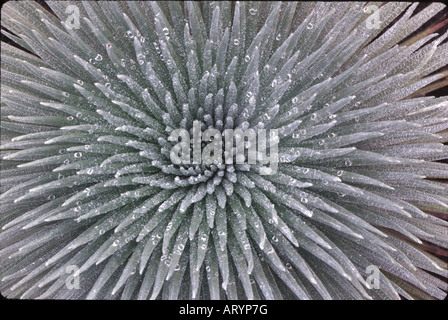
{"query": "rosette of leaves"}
pixel 88 190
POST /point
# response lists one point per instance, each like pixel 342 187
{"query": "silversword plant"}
pixel 93 207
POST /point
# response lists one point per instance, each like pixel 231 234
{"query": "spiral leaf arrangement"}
pixel 87 180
